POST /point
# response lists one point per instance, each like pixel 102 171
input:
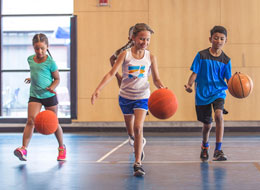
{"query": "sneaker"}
pixel 219 156
pixel 21 153
pixel 131 140
pixel 204 154
pixel 225 111
pixel 143 155
pixel 144 142
pixel 62 153
pixel 138 170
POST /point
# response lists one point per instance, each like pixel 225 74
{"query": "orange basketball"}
pixel 240 85
pixel 46 122
pixel 163 103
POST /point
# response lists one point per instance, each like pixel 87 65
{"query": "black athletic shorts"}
pixel 204 112
pixel 47 102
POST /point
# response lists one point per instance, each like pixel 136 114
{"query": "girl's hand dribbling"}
pixel 51 90
pixel 163 87
pixel 188 88
pixel 94 96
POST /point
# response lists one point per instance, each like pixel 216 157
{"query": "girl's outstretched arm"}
pixel 155 73
pixel 118 76
pixel 107 78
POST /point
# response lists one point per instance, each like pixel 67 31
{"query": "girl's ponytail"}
pixel 49 52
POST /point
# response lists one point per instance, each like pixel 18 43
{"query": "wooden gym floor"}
pixel 100 161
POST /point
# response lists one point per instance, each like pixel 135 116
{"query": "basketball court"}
pixel 189 42
pixel 104 160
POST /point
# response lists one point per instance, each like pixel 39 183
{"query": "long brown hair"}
pixel 141 27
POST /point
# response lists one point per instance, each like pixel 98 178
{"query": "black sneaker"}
pixel 219 156
pixel 204 154
pixel 138 170
pixel 225 111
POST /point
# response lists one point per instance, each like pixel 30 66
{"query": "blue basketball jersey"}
pixel 211 73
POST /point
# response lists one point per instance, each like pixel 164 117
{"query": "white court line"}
pixel 200 141
pixel 93 141
pixel 172 162
pixel 113 150
pixel 171 141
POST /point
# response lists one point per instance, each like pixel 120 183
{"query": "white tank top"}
pixel 135 73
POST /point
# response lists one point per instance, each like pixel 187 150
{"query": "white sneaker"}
pixel 144 142
pixel 143 155
pixel 131 140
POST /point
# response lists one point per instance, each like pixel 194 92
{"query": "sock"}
pixel 218 145
pixel 205 144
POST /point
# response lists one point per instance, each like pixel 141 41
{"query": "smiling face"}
pixel 40 49
pixel 218 40
pixel 142 39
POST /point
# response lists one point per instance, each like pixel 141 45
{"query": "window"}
pixel 21 20
pixel 18 7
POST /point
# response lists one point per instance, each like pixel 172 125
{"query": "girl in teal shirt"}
pixel 44 79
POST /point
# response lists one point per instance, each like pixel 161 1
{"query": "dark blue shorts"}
pixel 47 102
pixel 128 106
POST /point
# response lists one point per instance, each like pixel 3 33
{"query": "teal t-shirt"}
pixel 41 77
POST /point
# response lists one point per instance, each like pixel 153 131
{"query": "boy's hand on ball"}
pixel 188 88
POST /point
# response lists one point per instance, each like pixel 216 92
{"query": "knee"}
pixel 218 117
pixel 30 122
pixel 138 130
pixel 207 127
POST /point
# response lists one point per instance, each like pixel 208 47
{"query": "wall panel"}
pixel 114 5
pixel 242 19
pixel 181 30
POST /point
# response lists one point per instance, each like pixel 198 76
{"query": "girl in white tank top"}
pixel 135 73
pixel 136 63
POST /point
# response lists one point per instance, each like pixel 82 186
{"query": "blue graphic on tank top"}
pixel 136 71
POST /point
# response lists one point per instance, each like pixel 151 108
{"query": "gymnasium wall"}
pixel 181 30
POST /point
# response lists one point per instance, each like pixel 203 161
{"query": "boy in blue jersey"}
pixel 209 69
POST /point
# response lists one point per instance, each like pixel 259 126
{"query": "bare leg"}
pixel 59 132
pixel 138 133
pixel 205 132
pixel 219 125
pixel 129 122
pixel 33 109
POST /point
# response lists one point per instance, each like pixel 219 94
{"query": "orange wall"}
pixel 181 30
